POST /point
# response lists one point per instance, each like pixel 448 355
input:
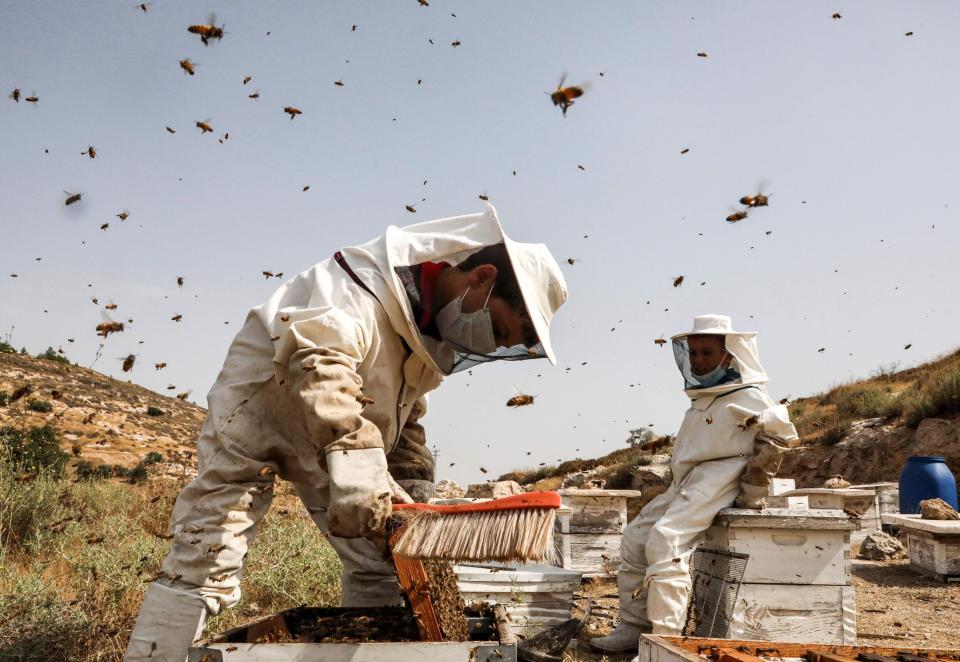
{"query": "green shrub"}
pixel 30 510
pixel 6 348
pixel 88 471
pixel 52 355
pixel 154 411
pixel 939 395
pixel 152 458
pixel 4 398
pixel 41 406
pixel 35 451
pixel 138 474
pixel 864 401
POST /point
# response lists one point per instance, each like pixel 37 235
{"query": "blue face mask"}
pixel 713 377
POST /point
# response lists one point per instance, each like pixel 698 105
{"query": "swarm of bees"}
pixel 564 96
pixel 208 31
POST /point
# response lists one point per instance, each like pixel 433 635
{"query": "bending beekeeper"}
pixel 324 386
pixel 731 423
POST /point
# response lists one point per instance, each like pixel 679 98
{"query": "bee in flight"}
pixel 564 96
pixel 292 111
pixel 188 66
pixel 520 399
pixel 208 32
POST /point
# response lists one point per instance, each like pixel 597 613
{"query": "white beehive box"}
pixel 590 538
pixel 934 545
pixel 796 585
pixel 886 499
pixel 533 594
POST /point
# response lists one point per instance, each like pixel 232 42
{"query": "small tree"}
pixel 52 355
pixel 640 437
pixel 34 451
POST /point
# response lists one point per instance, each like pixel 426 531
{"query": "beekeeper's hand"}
pixel 398 494
pixel 361 491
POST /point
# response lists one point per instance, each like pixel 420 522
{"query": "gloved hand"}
pixel 360 492
pixel 421 491
pixel 398 493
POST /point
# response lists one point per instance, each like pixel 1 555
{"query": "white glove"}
pixel 399 494
pixel 360 492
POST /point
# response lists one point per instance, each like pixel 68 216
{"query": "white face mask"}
pixel 468 331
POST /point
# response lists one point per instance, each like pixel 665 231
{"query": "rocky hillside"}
pixel 99 419
pixel 864 430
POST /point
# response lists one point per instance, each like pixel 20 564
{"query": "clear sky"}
pixel 850 124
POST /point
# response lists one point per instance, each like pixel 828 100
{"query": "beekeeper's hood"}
pixel 452 240
pixel 741 346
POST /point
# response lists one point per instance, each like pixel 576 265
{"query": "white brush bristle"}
pixel 509 535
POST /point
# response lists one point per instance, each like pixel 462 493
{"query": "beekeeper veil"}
pixel 740 360
pixel 528 279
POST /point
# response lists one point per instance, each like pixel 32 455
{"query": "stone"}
pixel 581 478
pixel 880 546
pixel 494 490
pixel 836 483
pixel 937 509
pixel 447 489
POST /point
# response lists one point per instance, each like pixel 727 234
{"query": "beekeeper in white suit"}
pixel 324 386
pixel 729 408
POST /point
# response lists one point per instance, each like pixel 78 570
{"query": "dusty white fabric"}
pixel 170 620
pixel 323 367
pixel 709 455
pixel 360 492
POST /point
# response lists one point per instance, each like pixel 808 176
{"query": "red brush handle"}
pixel 515 502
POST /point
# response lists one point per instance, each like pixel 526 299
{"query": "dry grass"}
pixel 76 557
pixel 906 396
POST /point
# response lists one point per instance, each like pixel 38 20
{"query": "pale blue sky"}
pixel 850 116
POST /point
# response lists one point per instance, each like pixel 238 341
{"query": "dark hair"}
pixel 505 286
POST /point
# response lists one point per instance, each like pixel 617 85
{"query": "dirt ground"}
pixel 895 606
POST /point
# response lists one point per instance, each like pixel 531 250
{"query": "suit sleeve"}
pixel 411 459
pixel 318 354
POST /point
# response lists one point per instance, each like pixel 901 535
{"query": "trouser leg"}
pixel 368 580
pixel 708 488
pixel 214 521
pixel 633 562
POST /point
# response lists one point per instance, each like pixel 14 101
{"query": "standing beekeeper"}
pixel 324 386
pixel 727 449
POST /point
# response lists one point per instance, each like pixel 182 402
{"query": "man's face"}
pixel 509 326
pixel 706 352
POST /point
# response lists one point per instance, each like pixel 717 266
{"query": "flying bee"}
pixel 104 226
pixel 171 387
pixel 179 281
pixel 267 274
pixel 411 209
pixel 169 130
pixel 748 422
pixel 183 396
pixel 247 79
pixel 204 127
pixel 188 66
pixel 111 306
pixel 123 215
pixel 455 43
pixel 338 83
pixel 128 362
pixel 572 260
pixel 143 6
pixel 755 200
pixel 520 399
pixel 177 317
pixel 564 96
pixel 661 341
pixel 836 16
pixel 364 399
pixel 678 281
pixel 292 111
pixel 72 197
pixel 255 95
pixel 15 95
pixel 736 216
pixel 33 98
pixel 108 326
pixel 159 366
pixel 209 31
pixel 90 151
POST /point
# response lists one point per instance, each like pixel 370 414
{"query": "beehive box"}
pixel 934 545
pixel 796 585
pixel 886 498
pixel 697 649
pixel 282 637
pixel 590 538
pixel 533 594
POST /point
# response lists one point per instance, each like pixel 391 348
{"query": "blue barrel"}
pixel 926 477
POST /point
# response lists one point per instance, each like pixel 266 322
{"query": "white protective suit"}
pixel 710 452
pixel 323 386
